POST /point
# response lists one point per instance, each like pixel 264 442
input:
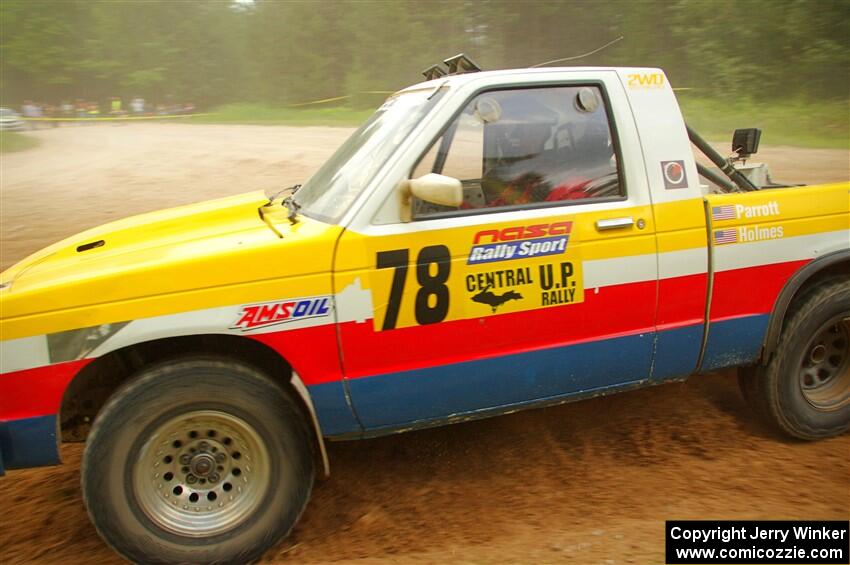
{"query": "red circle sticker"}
pixel 674 172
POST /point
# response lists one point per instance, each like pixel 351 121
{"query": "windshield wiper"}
pixel 290 204
pixel 293 208
pixel 290 189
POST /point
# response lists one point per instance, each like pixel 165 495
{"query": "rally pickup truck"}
pixel 485 242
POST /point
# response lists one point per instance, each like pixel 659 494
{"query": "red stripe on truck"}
pixel 36 392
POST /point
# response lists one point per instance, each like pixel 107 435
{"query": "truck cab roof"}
pixel 461 79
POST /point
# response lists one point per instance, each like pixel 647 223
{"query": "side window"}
pixel 526 148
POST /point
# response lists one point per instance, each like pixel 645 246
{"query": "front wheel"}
pixel 199 460
pixel 804 390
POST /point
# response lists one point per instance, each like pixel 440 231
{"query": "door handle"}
pixel 614 223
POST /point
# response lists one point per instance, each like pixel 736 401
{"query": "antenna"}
pixel 578 56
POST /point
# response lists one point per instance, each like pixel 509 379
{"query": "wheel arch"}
pixel 91 387
pixel 825 267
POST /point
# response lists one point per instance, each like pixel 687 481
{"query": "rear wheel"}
pixel 805 388
pixel 197 460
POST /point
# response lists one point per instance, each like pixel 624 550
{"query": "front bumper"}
pixel 29 442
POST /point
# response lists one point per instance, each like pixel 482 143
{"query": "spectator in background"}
pixel 32 110
pixel 137 106
pixel 67 109
pixel 50 111
pixel 80 108
pixel 28 111
pixel 115 106
pixel 92 111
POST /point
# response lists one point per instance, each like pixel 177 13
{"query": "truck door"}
pixel 680 222
pixel 542 284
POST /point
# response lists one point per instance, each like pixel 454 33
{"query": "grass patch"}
pixel 11 142
pixel 821 124
pixel 270 115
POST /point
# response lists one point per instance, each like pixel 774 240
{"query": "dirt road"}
pixel 590 482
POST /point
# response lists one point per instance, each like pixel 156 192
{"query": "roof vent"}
pixel 457 65
pixel 460 64
pixel 434 71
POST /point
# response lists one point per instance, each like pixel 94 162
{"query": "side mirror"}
pixel 433 188
pixel 745 142
pixel 437 189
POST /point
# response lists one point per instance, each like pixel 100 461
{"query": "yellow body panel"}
pixel 782 213
pixel 221 252
pixel 358 258
pixel 200 256
pixel 814 202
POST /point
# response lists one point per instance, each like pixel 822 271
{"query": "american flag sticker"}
pixel 725 236
pixel 722 212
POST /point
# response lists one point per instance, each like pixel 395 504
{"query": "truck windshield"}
pixel 331 190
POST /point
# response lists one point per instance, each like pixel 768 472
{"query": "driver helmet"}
pixel 594 143
pixel 519 121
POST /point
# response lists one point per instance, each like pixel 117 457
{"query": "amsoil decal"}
pixel 272 313
pixel 674 174
pixel 519 242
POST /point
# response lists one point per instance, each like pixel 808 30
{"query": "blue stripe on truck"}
pixel 735 342
pixel 435 393
pixel 432 395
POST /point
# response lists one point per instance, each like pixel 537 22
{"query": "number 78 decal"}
pixel 429 285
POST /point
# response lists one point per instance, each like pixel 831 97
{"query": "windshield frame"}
pixel 432 95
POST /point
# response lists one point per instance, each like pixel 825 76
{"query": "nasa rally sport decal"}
pixel 519 242
pixel 674 174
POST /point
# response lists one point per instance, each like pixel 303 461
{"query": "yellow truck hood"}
pixel 109 242
pixel 219 244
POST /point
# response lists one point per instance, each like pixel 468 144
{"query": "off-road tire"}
pixel 776 391
pixel 112 470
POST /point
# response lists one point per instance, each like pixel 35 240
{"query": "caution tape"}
pixel 323 101
pixel 338 98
